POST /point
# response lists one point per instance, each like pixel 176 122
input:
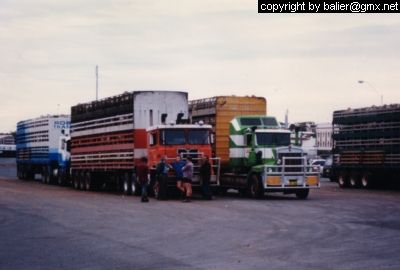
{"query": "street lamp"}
pixel 373 87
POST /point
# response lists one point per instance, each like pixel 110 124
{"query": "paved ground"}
pixel 50 227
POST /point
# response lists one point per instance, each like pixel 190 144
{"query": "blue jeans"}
pixel 144 190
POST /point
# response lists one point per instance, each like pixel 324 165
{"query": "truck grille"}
pixel 298 161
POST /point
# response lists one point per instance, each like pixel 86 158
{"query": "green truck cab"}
pixel 262 159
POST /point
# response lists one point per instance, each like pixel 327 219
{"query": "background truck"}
pixel 42 148
pixel 256 154
pixel 366 145
pixel 108 136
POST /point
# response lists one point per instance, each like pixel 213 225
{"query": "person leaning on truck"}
pixel 187 179
pixel 142 173
pixel 177 165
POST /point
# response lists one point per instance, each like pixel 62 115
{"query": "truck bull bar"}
pixel 290 176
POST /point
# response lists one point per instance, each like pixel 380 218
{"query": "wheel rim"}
pixel 353 181
pixel 81 184
pixel 87 183
pixel 126 186
pixel 364 181
pixel 133 187
pixel 341 180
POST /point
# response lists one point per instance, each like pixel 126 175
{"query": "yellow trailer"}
pixel 219 111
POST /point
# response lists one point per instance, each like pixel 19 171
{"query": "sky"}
pixel 308 64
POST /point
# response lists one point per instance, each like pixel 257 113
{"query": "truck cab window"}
pixel 277 139
pixel 173 137
pixel 198 137
pixel 153 139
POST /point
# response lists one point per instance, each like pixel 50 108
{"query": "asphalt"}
pixel 52 227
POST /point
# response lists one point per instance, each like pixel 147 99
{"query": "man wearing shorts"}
pixel 187 179
pixel 177 165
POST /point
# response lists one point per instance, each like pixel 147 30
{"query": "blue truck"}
pixel 43 147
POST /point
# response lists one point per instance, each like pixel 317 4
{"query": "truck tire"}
pixel 76 183
pixel 60 179
pixel 19 174
pixel 342 180
pixel 256 189
pixel 76 180
pixel 302 194
pixel 82 181
pixel 354 180
pixel 126 184
pixel 45 176
pixel 88 181
pixel 366 181
pixel 134 188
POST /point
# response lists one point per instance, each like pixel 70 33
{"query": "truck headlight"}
pixel 279 162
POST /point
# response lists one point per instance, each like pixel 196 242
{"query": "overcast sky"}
pixel 306 63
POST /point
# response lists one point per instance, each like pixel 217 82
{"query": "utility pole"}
pixel 287 119
pixel 97 82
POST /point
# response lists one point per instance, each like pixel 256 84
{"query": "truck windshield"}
pixel 277 139
pixel 198 137
pixel 173 136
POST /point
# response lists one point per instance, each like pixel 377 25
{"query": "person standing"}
pixel 205 174
pixel 162 178
pixel 177 165
pixel 187 179
pixel 142 173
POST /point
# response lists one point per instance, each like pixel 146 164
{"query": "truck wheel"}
pixel 256 189
pixel 126 184
pixel 59 180
pixel 19 174
pixel 342 181
pixel 302 194
pixel 88 181
pixel 353 181
pixel 82 181
pixel 242 192
pixel 366 181
pixel 45 177
pixel 222 191
pixel 75 180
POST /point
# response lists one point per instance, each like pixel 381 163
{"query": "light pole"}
pixel 373 87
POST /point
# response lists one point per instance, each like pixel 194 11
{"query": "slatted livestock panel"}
pixel 366 145
pixel 108 136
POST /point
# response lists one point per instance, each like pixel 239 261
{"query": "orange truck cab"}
pixel 186 140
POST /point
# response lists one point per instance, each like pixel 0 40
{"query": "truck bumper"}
pixel 291 181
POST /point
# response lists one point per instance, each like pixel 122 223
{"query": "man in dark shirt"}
pixel 142 173
pixel 162 178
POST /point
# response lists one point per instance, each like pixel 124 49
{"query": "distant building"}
pixel 324 139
